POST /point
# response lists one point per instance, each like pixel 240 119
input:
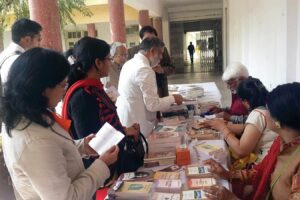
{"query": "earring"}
pixel 277 124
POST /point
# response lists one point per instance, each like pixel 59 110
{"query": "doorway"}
pixel 206 36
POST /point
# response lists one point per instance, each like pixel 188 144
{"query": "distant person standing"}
pixel 191 49
pixel 119 54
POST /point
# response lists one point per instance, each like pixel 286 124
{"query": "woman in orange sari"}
pixel 278 175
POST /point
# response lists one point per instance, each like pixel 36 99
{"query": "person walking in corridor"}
pixel 191 49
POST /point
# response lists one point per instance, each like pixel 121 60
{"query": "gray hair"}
pixel 150 42
pixel 235 70
pixel 114 46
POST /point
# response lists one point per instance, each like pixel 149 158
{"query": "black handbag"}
pixel 131 155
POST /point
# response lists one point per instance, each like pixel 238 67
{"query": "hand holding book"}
pixel 104 143
pixel 110 156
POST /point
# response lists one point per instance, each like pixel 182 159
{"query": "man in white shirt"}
pixel 139 101
pixel 25 35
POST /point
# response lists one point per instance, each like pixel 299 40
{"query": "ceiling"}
pixel 177 3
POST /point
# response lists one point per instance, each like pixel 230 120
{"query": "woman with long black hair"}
pixel 42 158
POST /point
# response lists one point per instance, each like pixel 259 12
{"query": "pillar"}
pixel 1 40
pixel 91 29
pixel 144 19
pixel 157 24
pixel 117 20
pixel 49 19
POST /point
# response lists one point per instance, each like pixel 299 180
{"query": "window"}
pixel 71 44
pixel 76 34
pixel 85 33
pixel 134 29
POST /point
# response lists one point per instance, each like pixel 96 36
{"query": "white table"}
pixel 211 92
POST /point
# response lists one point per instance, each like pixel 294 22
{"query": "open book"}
pixel 106 137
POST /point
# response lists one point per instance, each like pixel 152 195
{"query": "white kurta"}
pixel 10 50
pixel 138 101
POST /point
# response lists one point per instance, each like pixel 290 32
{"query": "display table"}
pixel 211 94
pixel 211 91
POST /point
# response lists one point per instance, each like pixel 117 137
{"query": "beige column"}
pixel 91 29
pixel 117 20
pixel 46 13
pixel 157 24
pixel 144 19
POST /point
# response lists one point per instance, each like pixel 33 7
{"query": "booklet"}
pixel 106 137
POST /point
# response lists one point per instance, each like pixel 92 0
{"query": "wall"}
pixel 195 11
pixel 263 34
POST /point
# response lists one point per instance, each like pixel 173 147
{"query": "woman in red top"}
pixel 86 103
pixel 278 175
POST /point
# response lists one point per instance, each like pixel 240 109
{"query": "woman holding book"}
pixel 256 135
pixel 86 103
pixel 278 175
pixel 43 160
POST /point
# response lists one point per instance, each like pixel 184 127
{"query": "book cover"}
pixel 193 195
pixel 204 134
pixel 171 168
pixel 198 171
pixel 173 186
pixel 105 138
pixel 136 187
pixel 165 196
pixel 208 148
pixel 166 175
pixel 137 176
pixel 195 183
pixel 130 190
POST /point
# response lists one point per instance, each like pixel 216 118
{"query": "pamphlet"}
pixel 106 137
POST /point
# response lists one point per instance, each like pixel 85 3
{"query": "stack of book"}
pixel 176 110
pixel 199 183
pixel 191 91
pixel 145 175
pixel 168 186
pixel 153 159
pixel 165 138
pixel 204 134
pixel 173 121
pixel 193 195
pixel 205 106
pixel 131 190
pixel 165 196
pixel 208 149
pixel 195 171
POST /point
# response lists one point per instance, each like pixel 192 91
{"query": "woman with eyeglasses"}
pixel 42 158
pixel 277 177
pixel 86 103
pixel 256 135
